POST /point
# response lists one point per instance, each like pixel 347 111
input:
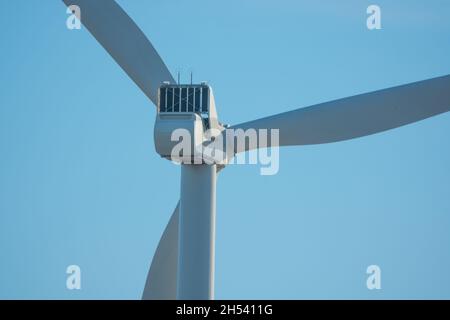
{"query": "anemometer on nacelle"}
pixel 184 106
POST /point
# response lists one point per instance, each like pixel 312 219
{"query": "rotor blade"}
pixel 356 116
pixel 125 42
pixel 161 281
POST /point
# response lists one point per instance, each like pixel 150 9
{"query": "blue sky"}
pixel 80 182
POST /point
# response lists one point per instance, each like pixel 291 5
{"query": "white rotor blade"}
pixel 125 42
pixel 356 116
pixel 161 281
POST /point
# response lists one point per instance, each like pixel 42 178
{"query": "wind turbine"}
pixel 183 264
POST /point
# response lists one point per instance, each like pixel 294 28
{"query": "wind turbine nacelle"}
pixel 184 111
pixel 169 132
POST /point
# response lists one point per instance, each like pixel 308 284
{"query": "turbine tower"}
pixel 183 264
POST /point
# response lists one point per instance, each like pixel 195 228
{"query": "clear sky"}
pixel 80 182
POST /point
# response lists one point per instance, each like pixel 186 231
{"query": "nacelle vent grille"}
pixel 183 98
